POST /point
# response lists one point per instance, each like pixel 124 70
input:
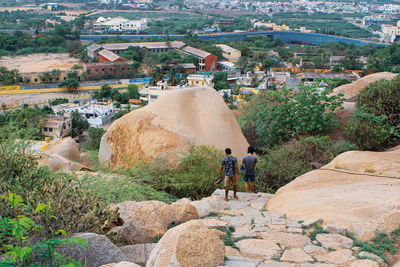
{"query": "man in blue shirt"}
pixel 230 164
pixel 249 162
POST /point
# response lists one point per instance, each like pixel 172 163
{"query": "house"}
pixel 207 61
pixel 156 47
pixel 120 25
pixel 230 53
pixel 93 50
pixel 57 127
pixel 113 69
pixel 108 56
pixel 97 114
pixel 200 80
pixel 153 93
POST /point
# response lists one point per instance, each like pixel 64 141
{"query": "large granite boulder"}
pixel 100 251
pixel 187 245
pixel 145 221
pixel 167 126
pixel 351 90
pixel 357 190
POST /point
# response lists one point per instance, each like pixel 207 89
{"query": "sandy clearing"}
pixel 39 62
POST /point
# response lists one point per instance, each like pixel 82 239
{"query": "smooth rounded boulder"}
pixel 168 126
pixel 359 191
pixel 188 245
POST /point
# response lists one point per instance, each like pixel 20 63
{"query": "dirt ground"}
pixel 39 62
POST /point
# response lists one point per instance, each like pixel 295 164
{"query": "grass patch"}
pixel 113 188
pixel 383 243
pixel 316 231
pixel 213 214
pixel 227 238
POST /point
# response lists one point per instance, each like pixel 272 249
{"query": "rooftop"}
pixel 109 55
pixel 148 45
pixel 196 52
pixel 227 48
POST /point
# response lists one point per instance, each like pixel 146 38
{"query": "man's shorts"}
pixel 247 177
pixel 230 180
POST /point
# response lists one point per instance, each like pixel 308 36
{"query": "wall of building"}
pixel 211 62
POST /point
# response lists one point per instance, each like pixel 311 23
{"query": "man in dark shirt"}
pixel 230 164
pixel 249 161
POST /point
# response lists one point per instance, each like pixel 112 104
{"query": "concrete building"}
pixel 200 80
pixel 112 69
pixel 97 114
pixel 57 127
pixel 156 47
pixel 93 50
pixel 153 93
pixel 120 25
pixel 108 56
pixel 230 53
pixel 207 61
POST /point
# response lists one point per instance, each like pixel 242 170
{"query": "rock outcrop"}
pixel 62 155
pixel 187 245
pixel 166 127
pixel 358 191
pixel 351 90
pixel 145 221
pixel 100 251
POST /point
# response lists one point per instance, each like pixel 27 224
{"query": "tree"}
pixel 95 135
pixel 133 91
pixel 173 77
pixel 220 80
pixel 71 84
pixel 79 124
pixel 277 116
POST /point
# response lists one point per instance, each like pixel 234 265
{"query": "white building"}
pixel 97 114
pixel 200 80
pixel 120 25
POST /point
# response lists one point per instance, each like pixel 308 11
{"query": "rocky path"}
pixel 213 232
pixel 265 238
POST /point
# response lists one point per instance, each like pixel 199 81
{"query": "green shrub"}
pixel 368 131
pixel 375 124
pixel 284 163
pixel 277 116
pixel 194 177
pixel 76 209
pixel 95 135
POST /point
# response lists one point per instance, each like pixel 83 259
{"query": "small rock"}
pixel 205 206
pixel 296 255
pixel 334 229
pixel 242 262
pixel 279 228
pixel 316 265
pixel 265 195
pixel 239 221
pixel 230 212
pixel 277 218
pixel 231 252
pixel 342 256
pixel 370 255
pixel 364 263
pixel 292 223
pixel 182 201
pixel 314 250
pixel 122 264
pixel 258 247
pixel 261 221
pixel 213 223
pixel 294 230
pixel 139 253
pixel 245 234
pixel 397 264
pixel 259 204
pixel 271 263
pixel 334 241
pixel 288 240
pixel 311 223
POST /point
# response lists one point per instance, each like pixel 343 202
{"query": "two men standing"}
pixel 230 164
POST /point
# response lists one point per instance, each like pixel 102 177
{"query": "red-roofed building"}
pixel 108 56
